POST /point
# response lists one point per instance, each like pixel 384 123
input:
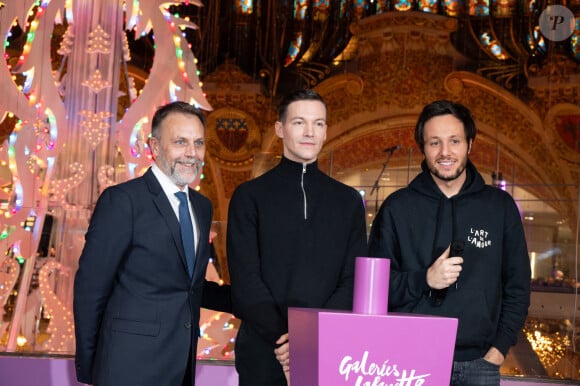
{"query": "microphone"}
pixel 392 148
pixel 438 296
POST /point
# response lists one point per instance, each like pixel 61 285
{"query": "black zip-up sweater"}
pixel 491 298
pixel 293 234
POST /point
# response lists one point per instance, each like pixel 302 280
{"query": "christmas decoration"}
pixel 67 144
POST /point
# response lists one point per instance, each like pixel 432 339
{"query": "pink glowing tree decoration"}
pixel 66 145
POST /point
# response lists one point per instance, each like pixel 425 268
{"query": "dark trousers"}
pixel 256 362
pixel 478 372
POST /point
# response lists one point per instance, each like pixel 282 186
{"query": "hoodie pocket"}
pixel 475 320
pixel 470 307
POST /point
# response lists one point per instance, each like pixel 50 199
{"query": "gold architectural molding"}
pixel 554 119
pixel 403 61
pixel 521 132
pixel 350 84
pixel 403 20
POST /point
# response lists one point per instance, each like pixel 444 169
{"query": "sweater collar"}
pixel 291 167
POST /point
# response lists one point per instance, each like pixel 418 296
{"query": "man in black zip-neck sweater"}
pixel 293 235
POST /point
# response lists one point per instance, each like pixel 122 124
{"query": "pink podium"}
pixel 368 347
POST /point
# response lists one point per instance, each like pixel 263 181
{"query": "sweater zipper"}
pixel 303 191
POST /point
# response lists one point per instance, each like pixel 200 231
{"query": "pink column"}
pixel 371 286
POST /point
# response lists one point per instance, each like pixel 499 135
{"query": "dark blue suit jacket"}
pixel 136 309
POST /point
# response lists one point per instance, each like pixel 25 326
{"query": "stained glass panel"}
pixel 245 7
pixel 478 7
pixel 403 5
pixel 300 8
pixel 429 6
pixel 492 46
pixel 452 7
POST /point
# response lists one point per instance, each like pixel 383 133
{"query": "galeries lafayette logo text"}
pixel 365 373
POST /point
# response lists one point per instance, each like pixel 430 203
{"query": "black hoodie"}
pixel 491 297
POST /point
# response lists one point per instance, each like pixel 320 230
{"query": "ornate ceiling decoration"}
pixel 377 63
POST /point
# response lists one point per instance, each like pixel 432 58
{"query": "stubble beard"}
pixel 179 178
pixel 447 178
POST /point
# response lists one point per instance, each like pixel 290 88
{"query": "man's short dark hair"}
pixel 174 107
pixel 445 107
pixel 298 95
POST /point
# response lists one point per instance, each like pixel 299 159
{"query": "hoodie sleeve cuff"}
pixel 502 344
pixel 418 283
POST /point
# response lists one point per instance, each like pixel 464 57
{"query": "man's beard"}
pixel 459 172
pixel 181 179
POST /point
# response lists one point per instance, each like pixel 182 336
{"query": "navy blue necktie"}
pixel 186 231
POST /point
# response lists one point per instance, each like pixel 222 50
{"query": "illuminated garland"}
pixel 9 271
pixel 180 44
pixel 41 134
pixel 61 326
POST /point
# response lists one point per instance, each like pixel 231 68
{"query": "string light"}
pixel 217 338
pixel 99 41
pixel 61 327
pixel 32 32
pixel 95 126
pixel 59 188
pixel 67 42
pixel 179 42
pixel 96 83
pixel 6 231
pixel 137 142
pixel 17 204
pixel 104 176
pixel 10 270
pixel 48 135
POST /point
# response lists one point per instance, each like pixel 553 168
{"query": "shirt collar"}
pixel 168 186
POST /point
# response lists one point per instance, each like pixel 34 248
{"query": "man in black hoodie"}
pixel 485 281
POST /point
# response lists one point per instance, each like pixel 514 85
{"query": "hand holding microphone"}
pixel 445 271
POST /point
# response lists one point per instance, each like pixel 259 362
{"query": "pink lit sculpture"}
pixel 372 347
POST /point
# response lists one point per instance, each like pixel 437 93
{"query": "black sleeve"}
pixel 217 297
